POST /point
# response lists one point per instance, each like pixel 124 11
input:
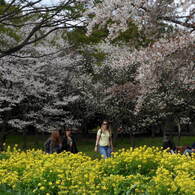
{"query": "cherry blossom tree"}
pixel 150 15
pixel 137 86
pixel 38 91
pixel 166 62
pixel 105 91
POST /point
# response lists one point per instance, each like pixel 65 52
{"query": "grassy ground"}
pixel 86 145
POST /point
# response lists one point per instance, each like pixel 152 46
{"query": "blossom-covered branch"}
pixel 116 14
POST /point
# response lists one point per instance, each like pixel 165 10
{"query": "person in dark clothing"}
pixel 68 142
pixel 169 144
pixel 53 143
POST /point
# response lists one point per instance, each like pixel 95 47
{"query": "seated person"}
pixel 168 143
pixel 190 150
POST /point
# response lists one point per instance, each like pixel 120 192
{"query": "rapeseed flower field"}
pixel 143 170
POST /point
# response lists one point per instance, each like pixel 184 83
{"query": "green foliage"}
pixel 3 156
pixel 97 55
pixel 11 27
pixel 6 190
pixel 2 2
pixel 13 33
pixel 133 37
pixel 78 36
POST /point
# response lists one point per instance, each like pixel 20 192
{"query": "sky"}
pixel 50 2
pixel 182 11
pixel 46 2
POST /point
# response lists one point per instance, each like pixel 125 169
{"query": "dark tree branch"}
pixel 53 18
pixel 8 6
pixel 27 42
pixel 185 24
pixel 174 20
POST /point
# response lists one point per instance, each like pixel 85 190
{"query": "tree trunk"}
pixel 160 129
pixel 24 146
pixel 164 132
pixel 153 129
pixel 132 139
pixel 84 129
pixel 192 128
pixel 179 131
pixel 115 132
pixel 115 135
pixel 3 136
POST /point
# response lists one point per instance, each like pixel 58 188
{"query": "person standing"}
pixel 53 143
pixel 104 140
pixel 68 142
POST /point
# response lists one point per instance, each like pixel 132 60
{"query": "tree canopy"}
pixel 130 61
